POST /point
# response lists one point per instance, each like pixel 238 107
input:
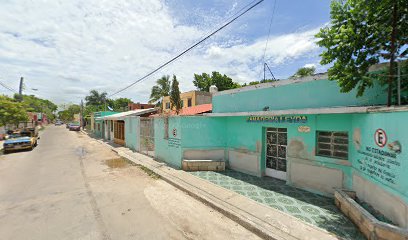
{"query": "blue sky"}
pixel 65 48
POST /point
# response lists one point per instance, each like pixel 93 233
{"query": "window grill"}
pixel 332 144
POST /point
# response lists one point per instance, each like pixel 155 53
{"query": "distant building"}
pixel 136 106
pixel 189 99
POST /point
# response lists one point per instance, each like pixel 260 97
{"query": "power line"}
pixel 7 87
pixel 187 50
pixel 266 44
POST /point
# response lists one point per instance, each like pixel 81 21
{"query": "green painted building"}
pixel 304 132
pixel 99 124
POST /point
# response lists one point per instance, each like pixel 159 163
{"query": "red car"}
pixel 74 127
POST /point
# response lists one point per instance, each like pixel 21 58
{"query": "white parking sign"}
pixel 380 137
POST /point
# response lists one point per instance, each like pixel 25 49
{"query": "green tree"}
pixel 304 72
pixel 39 105
pixel 222 82
pixel 175 99
pixel 67 114
pixel 160 90
pixel 119 104
pixel 11 111
pixel 363 33
pixel 258 82
pixel 96 98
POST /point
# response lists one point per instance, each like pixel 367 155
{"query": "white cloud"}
pixel 309 65
pixel 66 48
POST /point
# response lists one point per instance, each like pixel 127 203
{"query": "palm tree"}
pixel 95 98
pixel 160 90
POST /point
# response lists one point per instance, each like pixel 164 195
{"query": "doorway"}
pixel 275 152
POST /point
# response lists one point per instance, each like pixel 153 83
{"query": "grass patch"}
pixel 149 172
pixel 117 163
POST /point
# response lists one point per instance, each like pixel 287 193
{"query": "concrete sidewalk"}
pixel 265 221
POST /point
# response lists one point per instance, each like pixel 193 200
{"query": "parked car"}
pixel 58 123
pixel 20 140
pixel 74 127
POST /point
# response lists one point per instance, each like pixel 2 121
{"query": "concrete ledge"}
pixel 372 228
pixel 203 165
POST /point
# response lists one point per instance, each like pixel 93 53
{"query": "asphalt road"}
pixel 72 187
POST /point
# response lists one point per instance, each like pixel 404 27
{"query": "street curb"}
pixel 263 229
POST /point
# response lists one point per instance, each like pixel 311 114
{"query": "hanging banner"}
pixel 278 119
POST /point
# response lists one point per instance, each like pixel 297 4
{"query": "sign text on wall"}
pixel 278 119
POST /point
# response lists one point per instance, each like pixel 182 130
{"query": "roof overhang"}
pixel 332 110
pixel 123 115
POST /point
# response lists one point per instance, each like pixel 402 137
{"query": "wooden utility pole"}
pixel 20 89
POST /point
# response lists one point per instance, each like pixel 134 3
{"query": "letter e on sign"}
pixel 380 137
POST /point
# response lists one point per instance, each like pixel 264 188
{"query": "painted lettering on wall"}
pixel 278 119
pixel 379 162
pixel 174 142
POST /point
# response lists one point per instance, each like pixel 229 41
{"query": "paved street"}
pixel 72 187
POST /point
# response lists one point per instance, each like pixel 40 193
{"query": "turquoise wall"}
pixel 249 136
pixel 168 149
pixel 312 94
pixel 100 133
pixel 385 166
pixel 203 132
pixel 132 134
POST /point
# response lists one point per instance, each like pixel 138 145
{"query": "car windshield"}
pixel 74 124
pixel 25 134
pixel 14 135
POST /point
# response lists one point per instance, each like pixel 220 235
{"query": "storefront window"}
pixel 332 144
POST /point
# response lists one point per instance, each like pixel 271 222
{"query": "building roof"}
pixel 328 110
pixel 122 115
pixel 198 109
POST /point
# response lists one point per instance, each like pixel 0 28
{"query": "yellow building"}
pixel 189 99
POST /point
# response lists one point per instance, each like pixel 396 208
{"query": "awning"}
pixel 122 115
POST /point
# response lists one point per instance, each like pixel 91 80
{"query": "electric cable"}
pixel 7 87
pixel 267 41
pixel 187 50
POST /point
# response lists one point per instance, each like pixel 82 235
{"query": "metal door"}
pixel 147 135
pixel 276 144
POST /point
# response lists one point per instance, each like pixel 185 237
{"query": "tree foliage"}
pixel 222 82
pixel 258 82
pixel 12 111
pixel 161 89
pixel 119 104
pixel 96 98
pixel 67 114
pixel 360 34
pixel 39 105
pixel 304 72
pixel 175 99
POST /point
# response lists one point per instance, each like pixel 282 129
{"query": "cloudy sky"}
pixel 65 48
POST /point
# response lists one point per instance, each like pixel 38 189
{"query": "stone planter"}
pixel 372 228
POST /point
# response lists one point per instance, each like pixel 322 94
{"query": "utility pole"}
pixel 20 89
pixel 81 118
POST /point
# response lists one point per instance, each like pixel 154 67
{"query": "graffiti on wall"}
pixel 381 162
pixel 278 119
